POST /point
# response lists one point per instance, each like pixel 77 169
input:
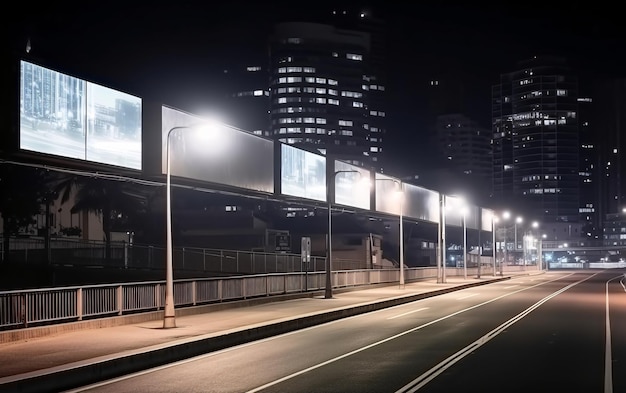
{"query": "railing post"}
pixel 193 293
pixel 79 303
pixel 120 300
pixel 24 309
pixel 157 296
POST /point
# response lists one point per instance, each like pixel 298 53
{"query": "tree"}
pixel 22 190
pixel 106 198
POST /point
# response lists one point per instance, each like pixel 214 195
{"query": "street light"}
pixel 401 195
pixel 494 220
pixel 328 291
pixel 464 213
pixel 505 216
pixel 169 316
pixel 442 238
pixel 459 202
pixel 518 220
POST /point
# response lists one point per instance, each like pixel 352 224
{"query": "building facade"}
pixel 535 127
pixel 321 84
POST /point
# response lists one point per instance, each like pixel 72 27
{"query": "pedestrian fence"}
pixel 45 306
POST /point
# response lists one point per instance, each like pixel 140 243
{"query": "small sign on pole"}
pixel 283 242
pixel 306 250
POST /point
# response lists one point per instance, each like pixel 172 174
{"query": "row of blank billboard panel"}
pixel 65 116
pixel 221 154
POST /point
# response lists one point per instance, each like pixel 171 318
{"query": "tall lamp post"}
pixel 518 220
pixel 328 290
pixel 464 213
pixel 442 240
pixel 494 220
pixel 505 216
pixel 169 316
pixel 401 240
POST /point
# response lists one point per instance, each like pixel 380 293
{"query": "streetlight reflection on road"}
pixel 169 317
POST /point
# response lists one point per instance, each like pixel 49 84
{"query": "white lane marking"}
pixel 467 296
pixel 207 355
pixel 431 374
pixel 345 355
pixel 407 313
pixel 608 355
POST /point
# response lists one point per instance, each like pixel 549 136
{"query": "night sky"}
pixel 177 51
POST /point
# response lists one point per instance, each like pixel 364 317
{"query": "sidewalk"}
pixel 74 358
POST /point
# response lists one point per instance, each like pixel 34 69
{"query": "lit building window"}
pixel 354 56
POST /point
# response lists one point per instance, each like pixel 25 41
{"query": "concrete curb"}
pixel 88 372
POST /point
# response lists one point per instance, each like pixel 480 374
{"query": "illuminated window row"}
pixel 351 94
pixel 255 93
pixel 377 113
pixel 298 130
pixel 311 100
pixel 308 79
pixel 544 191
pixel 298 120
pixel 311 90
pixel 286 70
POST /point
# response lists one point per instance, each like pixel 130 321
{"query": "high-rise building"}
pixel 535 127
pixel 325 94
pixel 467 148
pixel 589 173
pixel 609 116
pixel 610 126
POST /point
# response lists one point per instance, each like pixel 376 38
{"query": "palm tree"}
pixel 106 198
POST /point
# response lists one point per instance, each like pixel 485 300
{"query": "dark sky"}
pixel 177 50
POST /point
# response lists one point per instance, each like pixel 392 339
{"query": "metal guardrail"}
pixel 36 307
pixel 76 252
pixel 46 306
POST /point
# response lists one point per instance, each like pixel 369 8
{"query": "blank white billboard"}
pixel 69 117
pixel 352 185
pixel 215 152
pixel 302 173
pixel 421 203
pixel 389 195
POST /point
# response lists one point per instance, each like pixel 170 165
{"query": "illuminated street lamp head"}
pixel 519 220
pixel 535 224
pixel 506 215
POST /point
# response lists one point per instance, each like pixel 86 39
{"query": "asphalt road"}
pixel 562 331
